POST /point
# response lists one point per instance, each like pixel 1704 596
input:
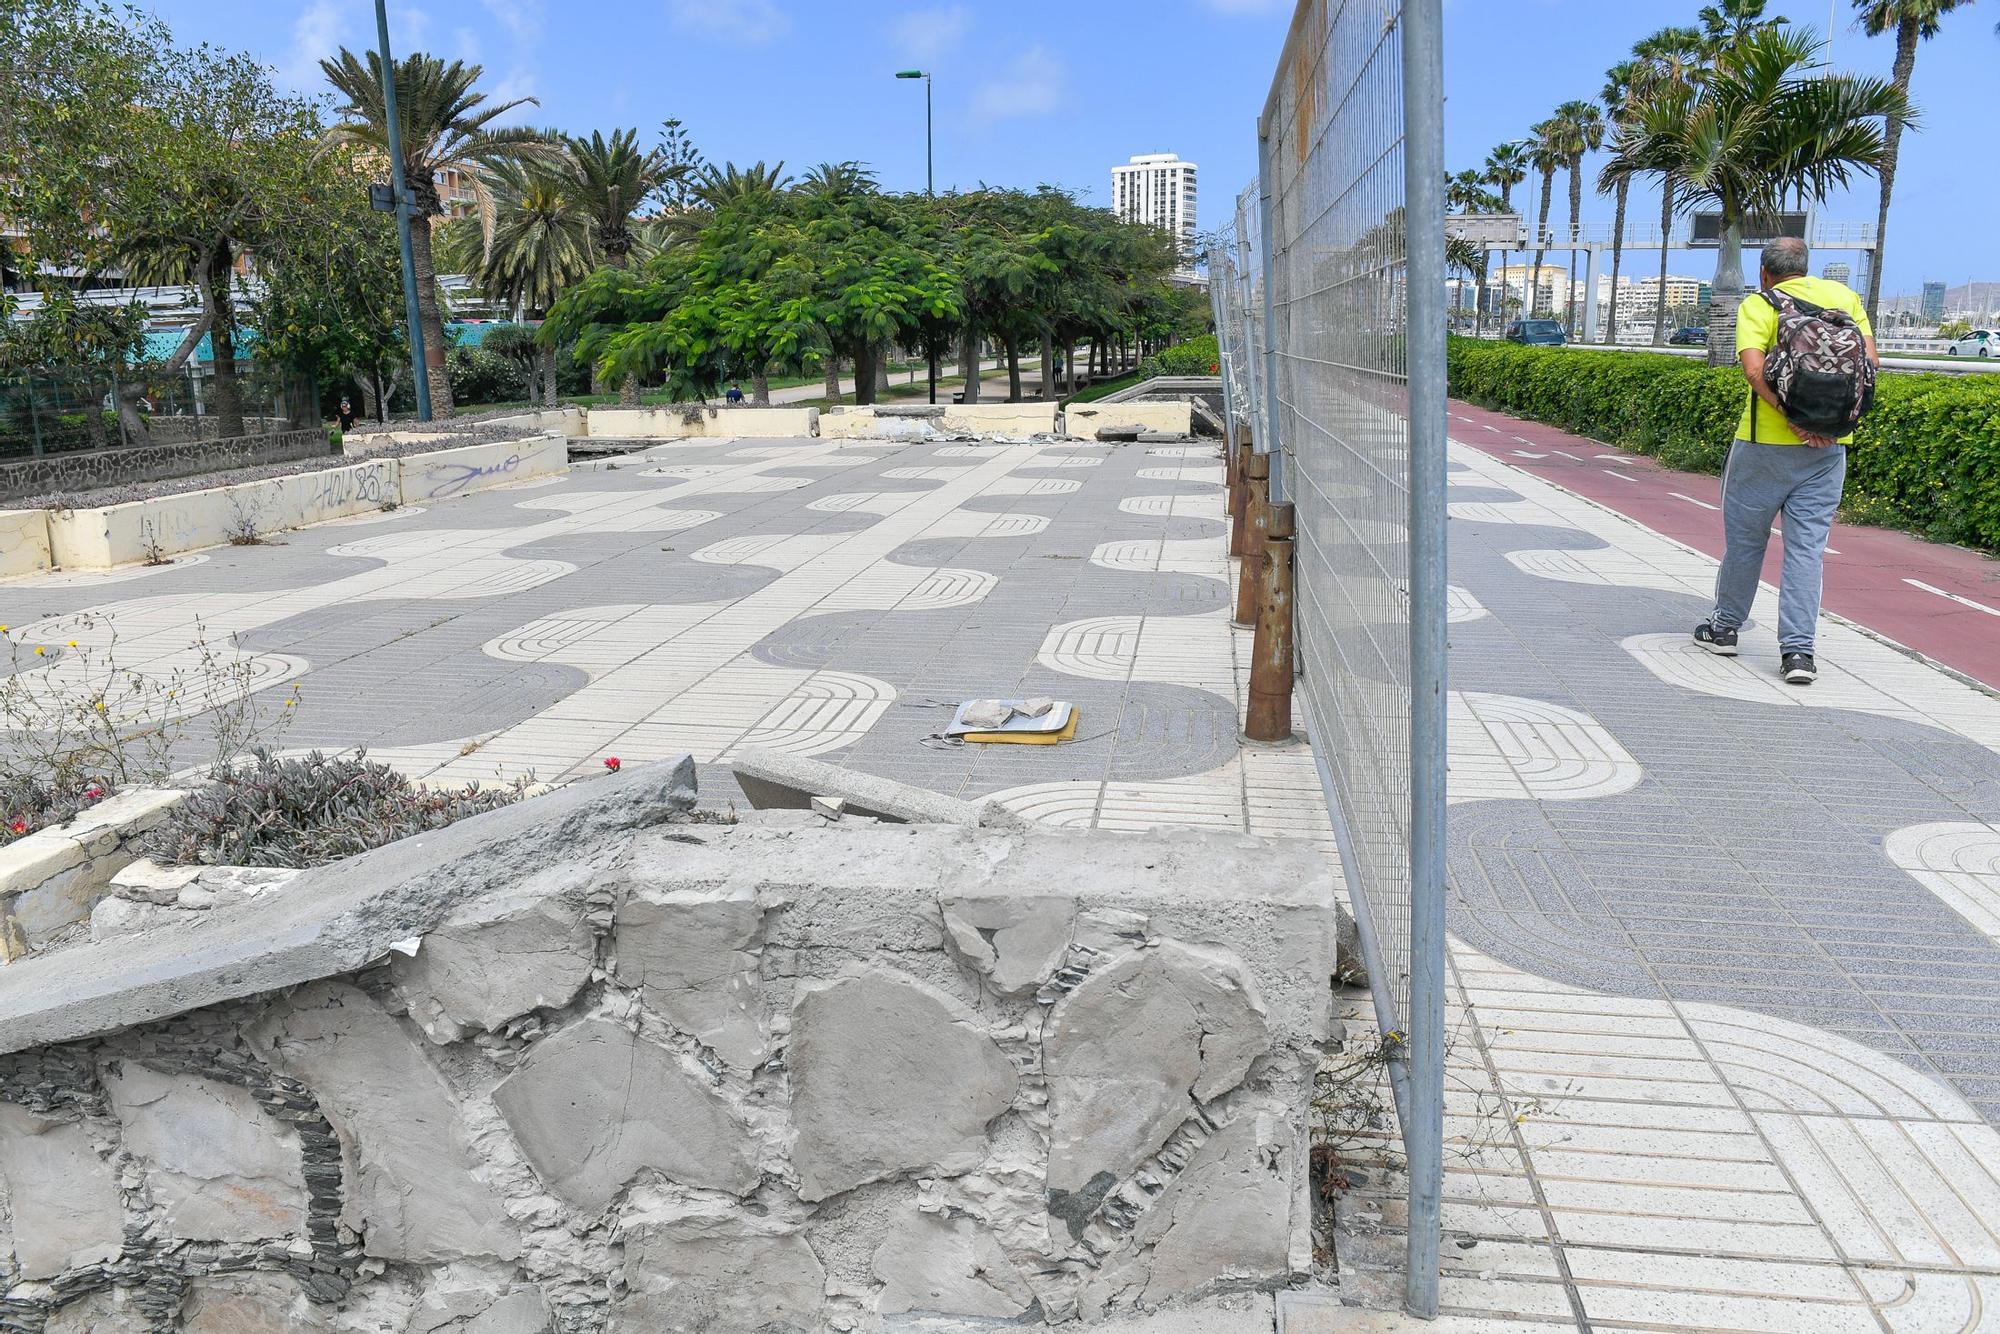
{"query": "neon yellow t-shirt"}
pixel 1757 327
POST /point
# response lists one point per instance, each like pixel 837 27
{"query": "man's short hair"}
pixel 1784 257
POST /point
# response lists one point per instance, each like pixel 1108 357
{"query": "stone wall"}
pixel 695 422
pixel 57 474
pixel 591 1063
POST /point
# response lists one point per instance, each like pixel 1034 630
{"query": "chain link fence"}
pixel 1332 307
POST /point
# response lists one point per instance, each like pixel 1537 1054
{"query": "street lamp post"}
pixel 403 209
pixel 930 190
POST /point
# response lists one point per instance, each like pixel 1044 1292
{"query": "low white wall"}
pixel 96 539
pixel 1012 419
pixel 567 420
pixel 24 542
pixel 1000 418
pixel 1082 420
pixel 99 538
pixel 672 423
pixel 427 478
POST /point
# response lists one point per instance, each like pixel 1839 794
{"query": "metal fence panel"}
pixel 1342 306
pixel 69 409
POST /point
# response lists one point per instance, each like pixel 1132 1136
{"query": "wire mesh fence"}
pixel 69 409
pixel 1341 306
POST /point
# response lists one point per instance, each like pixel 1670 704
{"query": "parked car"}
pixel 1692 336
pixel 1978 343
pixel 1543 333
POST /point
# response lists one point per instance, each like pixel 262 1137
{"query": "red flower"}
pixel 19 826
pixel 93 792
pixel 611 763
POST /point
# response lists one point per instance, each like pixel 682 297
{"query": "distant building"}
pixel 1863 266
pixel 1932 310
pixel 1551 291
pixel 1158 188
pixel 1836 271
pixel 1681 292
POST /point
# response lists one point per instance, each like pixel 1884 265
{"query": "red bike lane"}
pixel 1942 601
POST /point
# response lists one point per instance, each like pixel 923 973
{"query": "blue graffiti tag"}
pixel 465 474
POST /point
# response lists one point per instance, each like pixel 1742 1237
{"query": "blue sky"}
pixel 1034 90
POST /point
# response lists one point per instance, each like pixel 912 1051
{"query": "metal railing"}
pixel 1338 373
pixel 70 409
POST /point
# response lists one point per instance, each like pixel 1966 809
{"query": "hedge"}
pixel 1926 458
pixel 1197 356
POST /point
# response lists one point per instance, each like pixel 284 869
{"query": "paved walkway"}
pixel 1725 974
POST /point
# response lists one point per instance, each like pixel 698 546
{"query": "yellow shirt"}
pixel 1757 327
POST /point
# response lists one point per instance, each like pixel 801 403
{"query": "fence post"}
pixel 1257 516
pixel 1424 171
pixel 1239 496
pixel 34 414
pixel 1269 714
pixel 1267 247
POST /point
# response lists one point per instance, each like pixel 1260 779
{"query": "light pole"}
pixel 402 190
pixel 930 191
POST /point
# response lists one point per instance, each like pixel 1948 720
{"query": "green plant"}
pixel 72 719
pixel 1197 356
pixel 307 811
pixel 1926 458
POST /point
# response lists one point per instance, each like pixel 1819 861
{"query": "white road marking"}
pixel 1964 602
pixel 1566 454
pixel 1692 501
pixel 1621 476
pixel 1525 454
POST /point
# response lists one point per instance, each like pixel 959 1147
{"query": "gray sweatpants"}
pixel 1759 483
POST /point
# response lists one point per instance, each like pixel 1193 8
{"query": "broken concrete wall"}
pixel 51 879
pixel 608 1067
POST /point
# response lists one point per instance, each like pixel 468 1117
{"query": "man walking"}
pixel 1778 468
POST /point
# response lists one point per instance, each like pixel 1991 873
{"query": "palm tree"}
pixel 1580 130
pixel 1726 22
pixel 715 187
pixel 1467 193
pixel 1506 167
pixel 609 179
pixel 1547 156
pixel 1668 62
pixel 1912 20
pixel 446 126
pixel 1763 125
pixel 542 242
pixel 1617 99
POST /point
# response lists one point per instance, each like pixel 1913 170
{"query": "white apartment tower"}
pixel 1157 188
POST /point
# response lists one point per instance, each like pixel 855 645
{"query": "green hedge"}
pixel 1197 356
pixel 1927 458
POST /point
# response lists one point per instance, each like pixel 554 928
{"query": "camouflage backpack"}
pixel 1819 370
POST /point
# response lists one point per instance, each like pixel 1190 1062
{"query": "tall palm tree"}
pixel 1617 98
pixel 1912 21
pixel 542 242
pixel 1669 62
pixel 608 179
pixel 1581 130
pixel 1506 167
pixel 1546 155
pixel 1466 192
pixel 446 126
pixel 1763 125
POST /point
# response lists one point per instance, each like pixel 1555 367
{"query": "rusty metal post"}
pixel 1269 717
pixel 1257 514
pixel 1239 499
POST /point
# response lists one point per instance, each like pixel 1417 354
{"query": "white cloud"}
pixel 748 21
pixel 1032 84
pixel 923 35
pixel 316 36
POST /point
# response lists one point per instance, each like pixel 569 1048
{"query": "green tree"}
pixel 218 164
pixel 1617 96
pixel 684 164
pixel 447 126
pixel 1506 167
pixel 1911 21
pixel 1666 64
pixel 1578 129
pixel 543 241
pixel 1546 155
pixel 1763 125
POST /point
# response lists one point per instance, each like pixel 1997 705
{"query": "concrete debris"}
pixel 776 780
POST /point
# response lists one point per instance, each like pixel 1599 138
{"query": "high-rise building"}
pixel 1836 271
pixel 1932 311
pixel 1158 188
